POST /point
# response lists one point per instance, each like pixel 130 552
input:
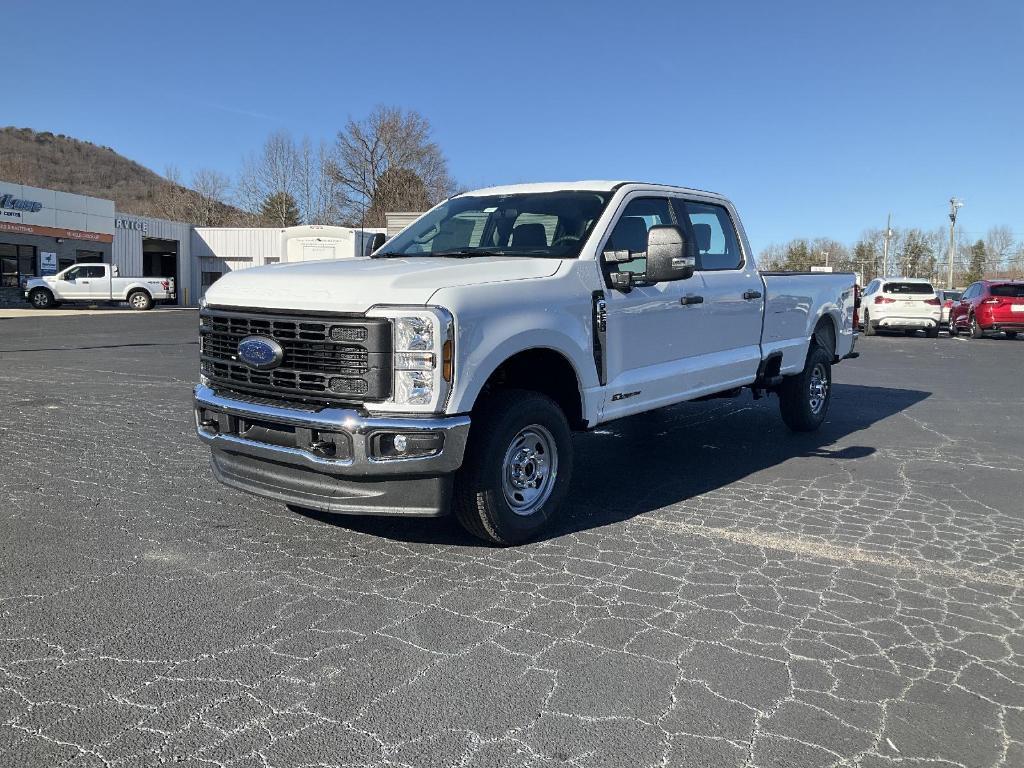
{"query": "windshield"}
pixel 545 224
pixel 1008 290
pixel 908 287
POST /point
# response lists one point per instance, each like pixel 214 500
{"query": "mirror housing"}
pixel 379 238
pixel 667 257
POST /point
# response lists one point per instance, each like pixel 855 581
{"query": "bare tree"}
pixel 320 199
pixel 209 203
pixel 998 247
pixel 273 174
pixel 379 159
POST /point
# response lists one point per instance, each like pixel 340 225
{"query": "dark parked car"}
pixel 947 299
pixel 989 306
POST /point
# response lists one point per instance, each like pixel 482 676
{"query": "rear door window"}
pixel 923 289
pixel 1008 291
pixel 714 236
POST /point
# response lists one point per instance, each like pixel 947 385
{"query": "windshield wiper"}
pixel 465 253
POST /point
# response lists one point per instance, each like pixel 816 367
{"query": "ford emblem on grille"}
pixel 260 352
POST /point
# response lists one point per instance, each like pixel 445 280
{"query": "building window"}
pixel 88 257
pixel 17 262
pixel 209 278
pixel 272 260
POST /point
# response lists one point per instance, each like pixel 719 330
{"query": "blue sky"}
pixel 816 118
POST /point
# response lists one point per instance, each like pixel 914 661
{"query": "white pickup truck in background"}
pixel 448 370
pixel 95 284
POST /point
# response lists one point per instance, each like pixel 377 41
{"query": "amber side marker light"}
pixel 446 357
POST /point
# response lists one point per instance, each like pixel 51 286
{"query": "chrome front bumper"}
pixel 263 432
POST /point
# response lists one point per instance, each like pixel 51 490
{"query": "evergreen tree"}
pixel 280 210
pixel 976 270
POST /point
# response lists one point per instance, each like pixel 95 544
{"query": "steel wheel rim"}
pixel 529 470
pixel 817 390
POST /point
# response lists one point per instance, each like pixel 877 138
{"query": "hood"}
pixel 355 285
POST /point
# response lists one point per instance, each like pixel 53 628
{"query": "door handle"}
pixel 751 295
pixel 686 300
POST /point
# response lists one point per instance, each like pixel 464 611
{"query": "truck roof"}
pixel 584 186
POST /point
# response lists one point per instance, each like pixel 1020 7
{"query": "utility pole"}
pixel 954 205
pixel 885 249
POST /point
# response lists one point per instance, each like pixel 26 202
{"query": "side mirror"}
pixel 379 238
pixel 667 259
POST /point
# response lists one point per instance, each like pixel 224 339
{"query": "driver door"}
pixel 72 284
pixel 649 355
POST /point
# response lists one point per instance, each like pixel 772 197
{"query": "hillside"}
pixel 43 159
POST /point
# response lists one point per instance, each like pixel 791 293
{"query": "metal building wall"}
pixel 127 251
pixel 225 249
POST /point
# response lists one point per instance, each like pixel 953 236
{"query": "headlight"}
pixel 423 359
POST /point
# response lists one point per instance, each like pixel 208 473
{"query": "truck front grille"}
pixel 326 359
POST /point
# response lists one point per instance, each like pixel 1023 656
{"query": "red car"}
pixel 989 306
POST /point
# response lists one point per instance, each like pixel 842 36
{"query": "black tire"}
pixel 868 328
pixel 976 332
pixel 41 298
pixel 1011 334
pixel 909 332
pixel 951 329
pixel 485 487
pixel 803 409
pixel 932 333
pixel 140 300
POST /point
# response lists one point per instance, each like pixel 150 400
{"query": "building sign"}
pixel 136 224
pixel 68 234
pixel 12 203
pixel 47 263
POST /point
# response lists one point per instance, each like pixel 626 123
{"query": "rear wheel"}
pixel 976 332
pixel 140 300
pixel 41 298
pixel 869 330
pixel 804 399
pixel 517 470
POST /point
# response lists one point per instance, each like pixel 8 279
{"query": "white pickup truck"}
pixel 97 283
pixel 447 370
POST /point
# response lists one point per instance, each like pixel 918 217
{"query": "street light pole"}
pixel 885 249
pixel 954 206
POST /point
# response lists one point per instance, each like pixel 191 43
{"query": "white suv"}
pixel 906 304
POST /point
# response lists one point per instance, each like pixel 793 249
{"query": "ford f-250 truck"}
pixel 95 284
pixel 447 370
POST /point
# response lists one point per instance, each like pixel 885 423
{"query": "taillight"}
pixel 933 302
pixel 165 284
pixel 884 300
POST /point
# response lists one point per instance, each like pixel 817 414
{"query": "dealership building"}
pixel 43 231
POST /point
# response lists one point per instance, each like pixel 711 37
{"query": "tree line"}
pixel 387 161
pixel 912 252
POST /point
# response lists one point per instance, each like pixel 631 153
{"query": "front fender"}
pixel 488 333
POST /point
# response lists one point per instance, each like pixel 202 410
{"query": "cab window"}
pixel 714 235
pixel 630 233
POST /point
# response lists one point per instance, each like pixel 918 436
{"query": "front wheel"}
pixel 953 332
pixel 804 399
pixel 518 467
pixel 40 298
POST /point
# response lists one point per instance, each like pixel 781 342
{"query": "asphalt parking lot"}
pixel 720 593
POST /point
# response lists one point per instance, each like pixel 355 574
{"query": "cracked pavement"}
pixel 720 592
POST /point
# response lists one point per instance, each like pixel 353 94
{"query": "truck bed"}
pixel 795 302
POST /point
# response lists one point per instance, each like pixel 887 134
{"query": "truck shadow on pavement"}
pixel 661 458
